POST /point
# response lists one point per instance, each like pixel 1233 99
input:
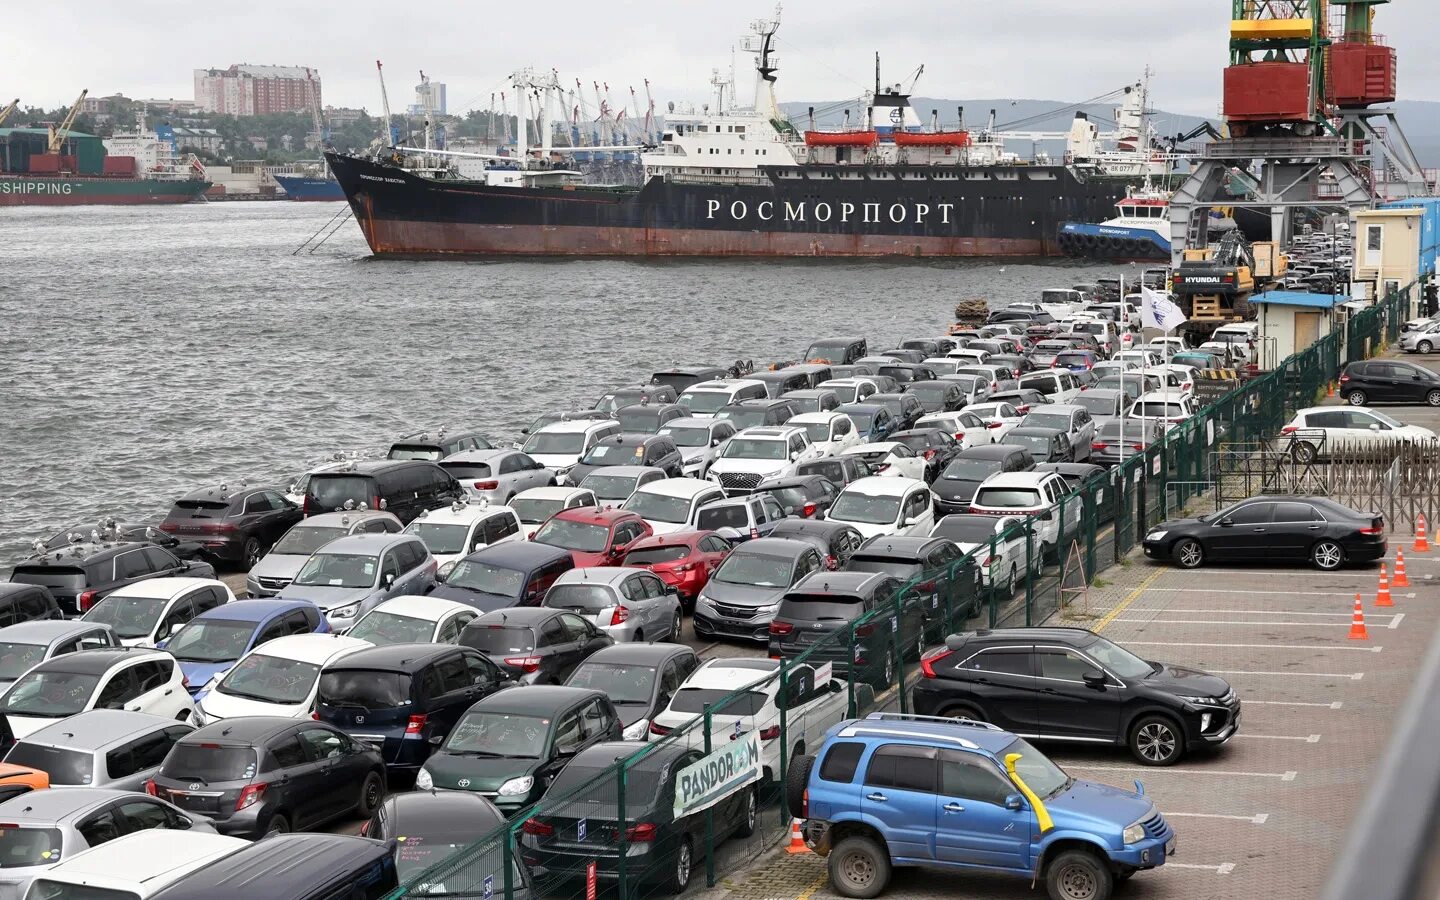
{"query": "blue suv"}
pixel 898 790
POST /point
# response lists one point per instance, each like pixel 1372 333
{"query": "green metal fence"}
pixel 618 825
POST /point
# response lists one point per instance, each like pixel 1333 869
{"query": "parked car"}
pixel 436 826
pixel 966 427
pixel 837 351
pixel 28 644
pixel 931 571
pixel 705 399
pixel 806 496
pixel 1421 337
pixel 905 408
pixel 495 476
pixel 404 699
pixel 27 603
pixel 276 678
pixel 1058 385
pixel 594 537
pixel 626 604
pixel 936 446
pixel 652 450
pixel 1314 431
pixel 743 594
pixel 1272 528
pixel 437 444
pixel 742 518
pixel 511 745
pixel 830 432
pixel 536 505
pixel 838 470
pixel 1072 419
pixel 699 442
pixel 402 487
pixel 209 644
pixel 854 389
pixel 535 646
pixel 827 602
pixel 1099 692
pixel 506 575
pixel 672 504
pixel 613 401
pixel 1044 444
pixel 127 678
pixel 1042 496
pixel 234 525
pixel 414 620
pixel 681 559
pixel 680 377
pixel 81 575
pixel 352 575
pixel 613 485
pixel 649 418
pixel 639 679
pixel 264 775
pixel 891 459
pixel 873 421
pixel 560 446
pixel 770 413
pixel 299 867
pixel 1112 445
pixel 1168 408
pixel 148 612
pixel 100 748
pixel 453 532
pixel 278 567
pixel 134 866
pixel 1022 400
pixel 999 546
pixel 1100 833
pixel 880 505
pixel 836 541
pixel 759 453
pixel 1390 381
pixel 956 486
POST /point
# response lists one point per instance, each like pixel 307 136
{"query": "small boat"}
pixel 1141 230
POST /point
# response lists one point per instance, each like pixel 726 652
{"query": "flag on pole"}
pixel 1157 310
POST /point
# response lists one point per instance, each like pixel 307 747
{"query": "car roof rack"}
pixel 948 720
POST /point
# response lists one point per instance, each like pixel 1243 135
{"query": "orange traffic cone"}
pixel 797 841
pixel 1331 391
pixel 1421 545
pixel 1400 579
pixel 1357 623
pixel 1382 596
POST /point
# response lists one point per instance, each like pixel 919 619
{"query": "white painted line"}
pixel 1335 705
pixel 1151 590
pixel 1257 819
pixel 1262 612
pixel 1353 676
pixel 1222 869
pixel 1319 645
pixel 1395 622
pixel 1151 770
pixel 1298 573
pixel 1249 623
pixel 1309 739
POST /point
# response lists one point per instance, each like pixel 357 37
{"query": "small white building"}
pixel 1290 321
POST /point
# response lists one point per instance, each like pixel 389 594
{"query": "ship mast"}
pixel 386 139
pixel 762 43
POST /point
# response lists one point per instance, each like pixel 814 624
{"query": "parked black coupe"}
pixel 1279 529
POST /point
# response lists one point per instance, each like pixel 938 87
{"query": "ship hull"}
pixel 820 212
pixel 40 190
pixel 306 189
pixel 1112 243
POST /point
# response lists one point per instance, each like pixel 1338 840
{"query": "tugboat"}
pixel 1140 232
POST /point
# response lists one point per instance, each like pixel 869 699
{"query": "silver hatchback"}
pixel 352 575
pixel 277 568
pixel 628 604
pixel 111 748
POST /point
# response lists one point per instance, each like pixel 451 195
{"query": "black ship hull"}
pixel 817 210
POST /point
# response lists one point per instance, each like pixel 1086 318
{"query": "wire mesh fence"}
pixel 703 800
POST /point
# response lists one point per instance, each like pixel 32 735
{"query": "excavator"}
pixel 1215 284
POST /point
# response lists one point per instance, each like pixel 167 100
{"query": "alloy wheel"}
pixel 1191 554
pixel 1328 555
pixel 1433 398
pixel 1356 398
pixel 682 864
pixel 1156 742
pixel 252 552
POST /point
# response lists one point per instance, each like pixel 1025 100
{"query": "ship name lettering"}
pixel 869 212
pixel 738 210
pixel 794 212
pixel 765 209
pixel 36 187
pixel 895 218
pixel 921 211
pixel 828 212
pixel 711 206
pixel 945 212
pixel 845 210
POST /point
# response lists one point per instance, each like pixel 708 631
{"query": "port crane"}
pixel 9 110
pixel 57 134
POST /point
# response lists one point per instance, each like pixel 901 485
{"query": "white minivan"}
pixel 1059 385
pixel 559 445
pixel 133 866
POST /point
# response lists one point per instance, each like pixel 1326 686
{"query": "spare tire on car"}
pixel 796 780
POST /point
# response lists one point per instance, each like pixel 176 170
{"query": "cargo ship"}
pixel 738 182
pixel 309 187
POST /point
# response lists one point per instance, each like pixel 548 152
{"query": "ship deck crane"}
pixel 9 110
pixel 386 135
pixel 57 134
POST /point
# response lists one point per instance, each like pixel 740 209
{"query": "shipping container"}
pixel 1268 92
pixel 45 163
pixel 1360 74
pixel 119 165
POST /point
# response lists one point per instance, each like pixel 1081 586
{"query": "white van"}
pixel 1059 385
pixel 705 399
pixel 132 866
pixel 1035 494
pixel 671 504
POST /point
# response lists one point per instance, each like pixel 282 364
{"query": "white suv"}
pixel 759 453
pixel 455 531
pixel 559 445
pixel 879 506
pixel 1034 494
pixel 832 433
pixel 127 678
pixel 707 398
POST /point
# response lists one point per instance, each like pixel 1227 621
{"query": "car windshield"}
pixel 610 487
pixel 303 540
pixel 704 402
pixel 535 511
pixel 1118 660
pixel 967 529
pixel 465 471
pixel 827 351
pixel 573 536
pixel 751 448
pixel 1152 410
pixel 862 419
pixel 819 432
pixel 331 491
pixel 440 538
pixel 16 658
pixel 211 640
pixel 270 679
pixel 71 767
pixel 345 570
pixel 128 617
pixel 644 421
pixel 51 695
pixel 364 689
pixel 649 556
pixel 688 435
pixel 852 506
pixel 426 452
pixel 613 453
pixel 658 507
pixel 1098 405
pixel 694 700
pixel 562 443
pixel 790 498
pixel 28 846
pixel 580 597
pixel 505 735
pixel 207 762
pixel 757 569
pixel 1040 775
pixel 1039 445
pixel 381 628
pixel 723 515
pixel 477 575
pixel 1007 498
pixel 744 417
pixel 932 389
pixel 845 393
pixel 625 684
pixel 1057 421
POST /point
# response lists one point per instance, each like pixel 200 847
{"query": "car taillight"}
pixel 657 728
pixel 990 561
pixel 642 833
pixel 250 795
pixel 805 804
pixel 1137 446
pixel 150 787
pixel 1099 445
pixel 523 663
pixel 315 716
pixel 1372 530
pixel 781 628
pixel 1022 410
pixel 364 828
pixel 416 724
pixel 927 662
pixel 1344 377
pixel 168 526
pixel 864 630
pixel 85 600
pixel 619 616
pixel 537 828
pixel 684 567
pixel 222 528
pixel 487 485
pixel 808 510
pixel 754 532
pixel 930 453
pixel 994 424
pixel 1288 429
pixel 959 435
pixel 770 734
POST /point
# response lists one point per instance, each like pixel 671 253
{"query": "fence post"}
pixel 1092 525
pixel 1030 570
pixel 709 813
pixel 784 731
pixel 850 668
pixel 621 864
pixel 1117 488
pixel 988 578
pixel 507 859
pixel 895 641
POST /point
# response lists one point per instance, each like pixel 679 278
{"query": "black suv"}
pixel 1069 684
pixel 656 450
pixel 906 408
pixel 81 575
pixel 25 603
pixel 826 602
pixel 751 413
pixel 403 487
pixel 804 496
pixel 648 418
pixel 933 570
pixel 838 470
pixel 259 775
pixel 683 376
pixel 233 525
pixel 534 645
pixel 434 446
pixel 836 541
pixel 1389 381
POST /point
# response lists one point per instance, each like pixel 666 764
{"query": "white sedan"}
pixel 890 458
pixel 413 619
pixel 965 426
pixel 1318 431
pixel 277 678
pixel 1006 566
pixel 831 433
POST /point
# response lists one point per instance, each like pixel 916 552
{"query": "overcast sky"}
pixel 1040 49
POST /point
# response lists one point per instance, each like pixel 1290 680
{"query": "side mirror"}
pixel 440 576
pixel 1014 803
pixel 1374 426
pixel 1226 523
pixel 714 442
pixel 174 629
pixel 794 455
pixel 436 740
pixel 908 521
pixel 1095 680
pixel 389 579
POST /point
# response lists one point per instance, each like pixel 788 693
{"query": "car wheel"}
pixel 1156 741
pixel 1424 346
pixel 1014 579
pixel 748 817
pixel 1078 875
pixel 1327 555
pixel 1433 398
pixel 887 671
pixel 675 626
pixel 859 867
pixel 372 792
pixel 251 554
pixel 1304 453
pixel 1355 398
pixel 278 825
pixel 682 867
pixel 1189 554
pixel 797 778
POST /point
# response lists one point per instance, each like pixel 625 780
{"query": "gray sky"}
pixel 1041 49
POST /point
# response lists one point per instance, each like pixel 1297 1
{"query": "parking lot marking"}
pixel 1307 738
pixel 1276 612
pixel 1291 573
pixel 1265 593
pixel 1222 869
pixel 1316 646
pixel 1129 599
pixel 1257 819
pixel 1334 705
pixel 1353 676
pixel 1250 623
pixel 1395 622
pixel 1283 776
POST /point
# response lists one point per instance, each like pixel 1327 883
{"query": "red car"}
pixel 682 559
pixel 594 537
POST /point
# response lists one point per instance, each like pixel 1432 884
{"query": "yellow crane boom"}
pixel 7 111
pixel 57 135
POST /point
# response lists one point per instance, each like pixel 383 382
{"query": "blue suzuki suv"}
pixel 899 790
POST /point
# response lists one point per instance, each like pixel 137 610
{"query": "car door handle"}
pixel 169 691
pixel 954 808
pixel 1258 530
pixel 1314 528
pixel 877 797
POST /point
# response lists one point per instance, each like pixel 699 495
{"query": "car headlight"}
pixel 344 612
pixel 637 731
pixel 445 569
pixel 768 610
pixel 423 781
pixel 1203 701
pixel 1156 535
pixel 1133 834
pixel 517 787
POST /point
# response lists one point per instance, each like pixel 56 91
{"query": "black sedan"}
pixel 803 496
pixel 936 445
pixel 1273 529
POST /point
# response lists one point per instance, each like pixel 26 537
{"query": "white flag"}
pixel 1158 311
